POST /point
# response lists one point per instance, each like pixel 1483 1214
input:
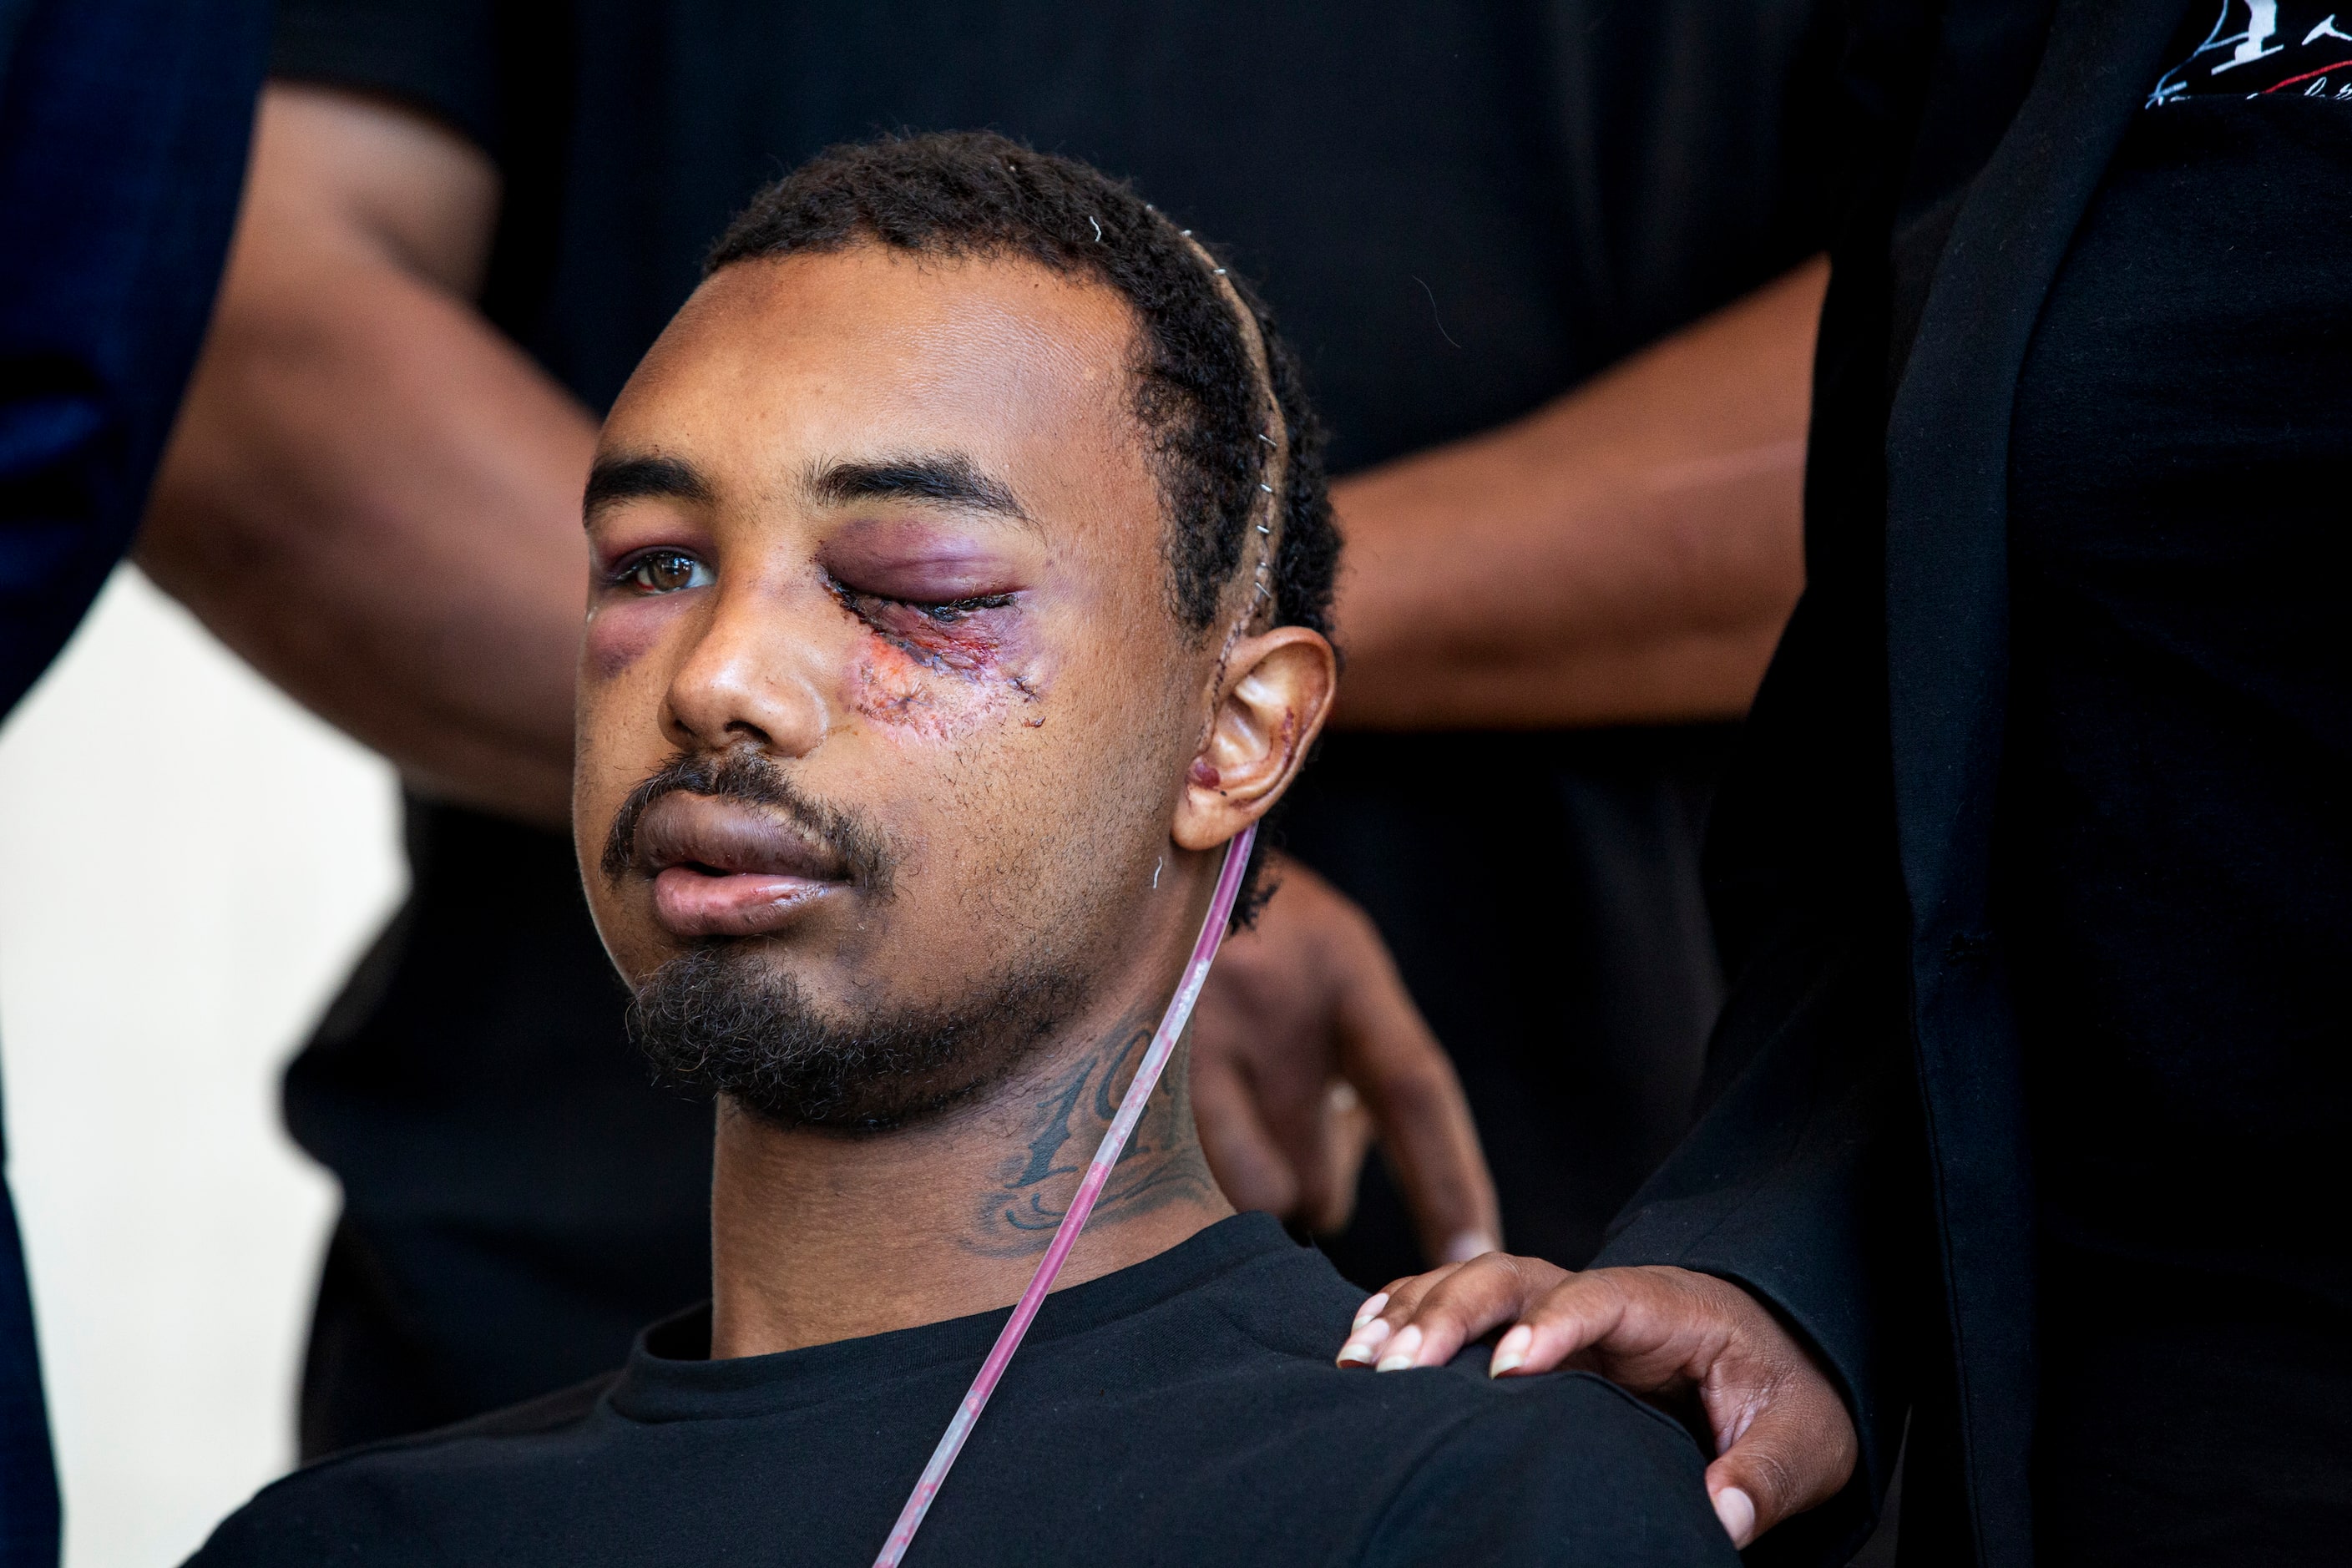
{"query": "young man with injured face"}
pixel 961 564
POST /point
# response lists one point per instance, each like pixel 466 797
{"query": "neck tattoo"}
pixel 1061 1125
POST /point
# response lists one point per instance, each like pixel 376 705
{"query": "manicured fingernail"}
pixel 1370 1310
pixel 1402 1349
pixel 1510 1350
pixel 1737 1509
pixel 1470 1244
pixel 1358 1351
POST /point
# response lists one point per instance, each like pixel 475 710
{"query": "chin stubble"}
pixel 719 1019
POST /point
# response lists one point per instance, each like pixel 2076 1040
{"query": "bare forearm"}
pixel 1627 554
pixel 373 497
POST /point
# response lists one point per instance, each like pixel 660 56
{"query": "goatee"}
pixel 721 1018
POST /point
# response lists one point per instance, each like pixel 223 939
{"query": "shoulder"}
pixel 1564 1468
pixel 1285 1298
pixel 359 1503
pixel 1449 1466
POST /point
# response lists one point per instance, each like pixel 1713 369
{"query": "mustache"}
pixel 744 775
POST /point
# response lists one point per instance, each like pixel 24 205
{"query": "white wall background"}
pixel 188 865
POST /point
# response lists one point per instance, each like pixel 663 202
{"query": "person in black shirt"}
pixel 961 561
pixel 2038 873
pixel 468 219
pixel 1183 1410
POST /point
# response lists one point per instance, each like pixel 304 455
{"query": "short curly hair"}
pixel 1200 395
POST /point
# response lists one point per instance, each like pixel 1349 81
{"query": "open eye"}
pixel 664 572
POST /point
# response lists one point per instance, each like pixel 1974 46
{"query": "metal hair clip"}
pixel 1263 529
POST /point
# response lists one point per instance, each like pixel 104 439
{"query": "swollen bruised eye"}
pixel 664 571
pixel 899 604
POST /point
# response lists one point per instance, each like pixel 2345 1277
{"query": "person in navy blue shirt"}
pixel 122 138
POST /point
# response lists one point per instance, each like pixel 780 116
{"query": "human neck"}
pixel 818 1236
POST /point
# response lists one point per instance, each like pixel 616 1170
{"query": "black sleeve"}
pixel 1805 1180
pixel 1566 1471
pixel 337 1510
pixel 1701 163
pixel 1803 1183
pixel 440 56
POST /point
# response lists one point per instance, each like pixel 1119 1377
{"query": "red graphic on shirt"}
pixel 2318 75
pixel 2252 49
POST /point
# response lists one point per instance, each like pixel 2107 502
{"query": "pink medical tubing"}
pixel 1130 1111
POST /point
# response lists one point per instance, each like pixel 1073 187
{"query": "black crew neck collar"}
pixel 671 1375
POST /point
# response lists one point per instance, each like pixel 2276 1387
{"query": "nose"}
pixel 754 675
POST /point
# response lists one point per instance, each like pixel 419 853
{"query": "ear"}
pixel 1273 696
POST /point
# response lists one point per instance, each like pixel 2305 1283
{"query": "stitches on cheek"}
pixel 939 680
pixel 969 644
pixel 891 687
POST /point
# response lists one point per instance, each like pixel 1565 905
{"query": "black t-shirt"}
pixel 2178 853
pixel 1181 1411
pixel 1460 210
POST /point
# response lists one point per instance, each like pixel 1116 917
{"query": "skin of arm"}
pixel 371 496
pixel 1626 554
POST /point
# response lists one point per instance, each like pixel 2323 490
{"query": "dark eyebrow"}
pixel 951 479
pixel 627 479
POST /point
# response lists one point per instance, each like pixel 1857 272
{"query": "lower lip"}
pixel 743 903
